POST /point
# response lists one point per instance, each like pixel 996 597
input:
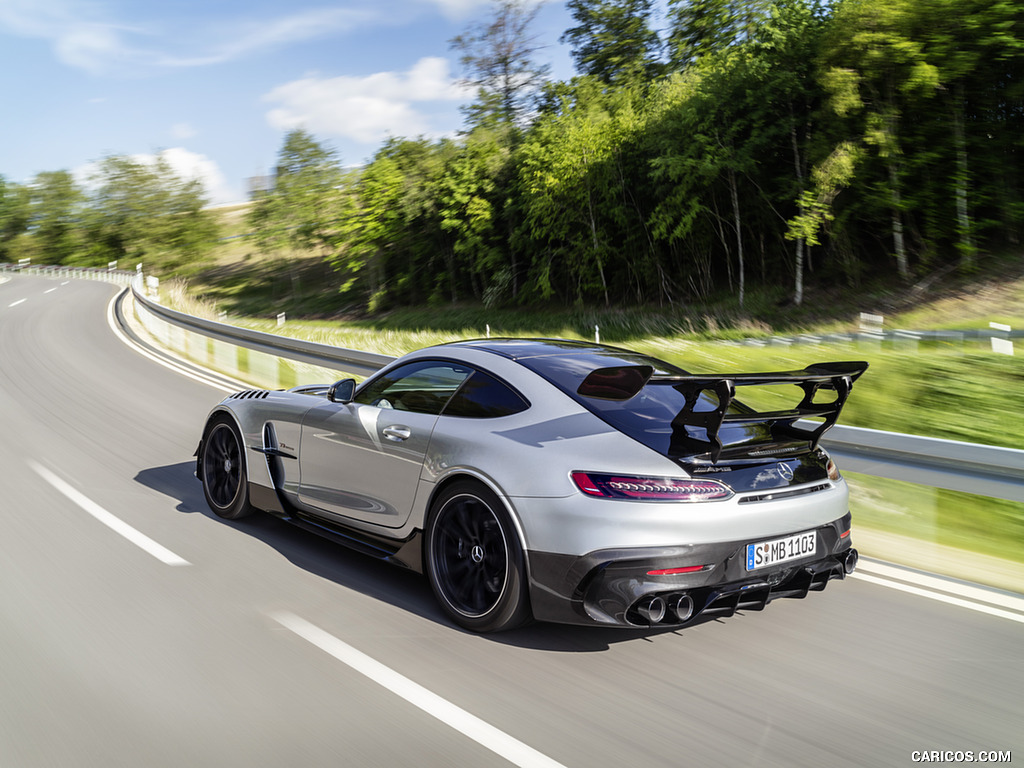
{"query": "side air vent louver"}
pixel 250 394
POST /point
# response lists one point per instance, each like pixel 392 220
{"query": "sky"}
pixel 216 85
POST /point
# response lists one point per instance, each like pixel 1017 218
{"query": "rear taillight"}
pixel 649 488
pixel 833 471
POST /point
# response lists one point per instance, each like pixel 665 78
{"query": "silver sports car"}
pixel 555 480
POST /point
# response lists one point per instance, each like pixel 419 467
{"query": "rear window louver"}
pixel 249 394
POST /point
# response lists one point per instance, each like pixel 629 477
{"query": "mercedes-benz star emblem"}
pixel 785 472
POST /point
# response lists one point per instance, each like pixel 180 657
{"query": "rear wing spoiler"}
pixel 623 383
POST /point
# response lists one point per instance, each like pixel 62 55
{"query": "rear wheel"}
pixel 474 560
pixel 222 470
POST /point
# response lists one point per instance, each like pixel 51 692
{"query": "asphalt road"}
pixel 137 629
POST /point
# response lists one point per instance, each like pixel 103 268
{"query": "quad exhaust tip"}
pixel 681 607
pixel 850 561
pixel 652 609
pixel 674 609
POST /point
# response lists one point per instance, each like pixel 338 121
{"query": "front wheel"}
pixel 474 561
pixel 222 470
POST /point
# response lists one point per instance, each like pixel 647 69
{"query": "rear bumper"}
pixel 615 587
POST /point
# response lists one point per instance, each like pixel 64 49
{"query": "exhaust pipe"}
pixel 681 607
pixel 652 609
pixel 850 561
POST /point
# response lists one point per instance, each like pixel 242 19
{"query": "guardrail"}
pixel 970 467
pixel 311 353
pixel 118 276
pixel 892 336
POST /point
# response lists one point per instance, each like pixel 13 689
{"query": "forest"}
pixel 725 147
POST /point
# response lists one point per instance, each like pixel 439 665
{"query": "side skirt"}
pixel 407 552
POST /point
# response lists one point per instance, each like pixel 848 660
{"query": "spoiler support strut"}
pixel 625 382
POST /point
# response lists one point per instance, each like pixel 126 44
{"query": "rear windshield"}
pixel 648 416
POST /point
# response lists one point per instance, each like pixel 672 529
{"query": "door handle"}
pixel 397 433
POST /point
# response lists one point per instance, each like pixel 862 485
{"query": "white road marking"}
pixel 462 721
pixel 16 303
pixel 195 376
pixel 115 524
pixel 930 581
pixel 941 597
pixel 50 290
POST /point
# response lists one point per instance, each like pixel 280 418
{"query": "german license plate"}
pixel 776 551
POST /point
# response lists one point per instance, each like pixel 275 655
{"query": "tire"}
pixel 222 470
pixel 474 560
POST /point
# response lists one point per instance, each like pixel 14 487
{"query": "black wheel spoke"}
pixel 469 556
pixel 222 470
pixel 461 523
pixel 222 466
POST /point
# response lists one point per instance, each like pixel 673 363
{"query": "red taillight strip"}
pixel 674 571
pixel 637 488
pixel 845 533
pixel 585 484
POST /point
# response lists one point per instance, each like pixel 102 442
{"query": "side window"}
pixel 423 386
pixel 484 397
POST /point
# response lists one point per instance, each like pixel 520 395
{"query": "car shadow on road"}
pixel 374 578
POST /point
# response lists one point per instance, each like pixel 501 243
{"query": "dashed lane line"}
pixel 114 523
pixel 483 733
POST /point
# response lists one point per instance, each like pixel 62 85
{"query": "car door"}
pixel 362 460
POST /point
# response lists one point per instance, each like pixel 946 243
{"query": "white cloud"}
pixel 184 163
pixel 191 165
pixel 84 36
pixel 458 9
pixel 243 38
pixel 367 109
pixel 78 39
pixel 182 131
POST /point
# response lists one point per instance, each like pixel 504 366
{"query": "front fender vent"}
pixel 249 394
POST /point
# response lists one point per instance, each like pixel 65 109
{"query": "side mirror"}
pixel 342 391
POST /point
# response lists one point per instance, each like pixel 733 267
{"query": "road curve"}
pixel 255 644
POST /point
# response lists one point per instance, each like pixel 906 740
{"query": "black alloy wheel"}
pixel 474 560
pixel 223 471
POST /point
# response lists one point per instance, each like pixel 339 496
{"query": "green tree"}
pixel 578 187
pixel 393 246
pixel 142 210
pixel 784 50
pixel 700 27
pixel 613 40
pixel 300 212
pixel 878 69
pixel 499 58
pixel 56 215
pixel 976 48
pixel 471 207
pixel 714 128
pixel 14 216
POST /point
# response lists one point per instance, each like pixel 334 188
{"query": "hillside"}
pixel 241 281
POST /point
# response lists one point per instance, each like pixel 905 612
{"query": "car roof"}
pixel 519 349
pixel 584 355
